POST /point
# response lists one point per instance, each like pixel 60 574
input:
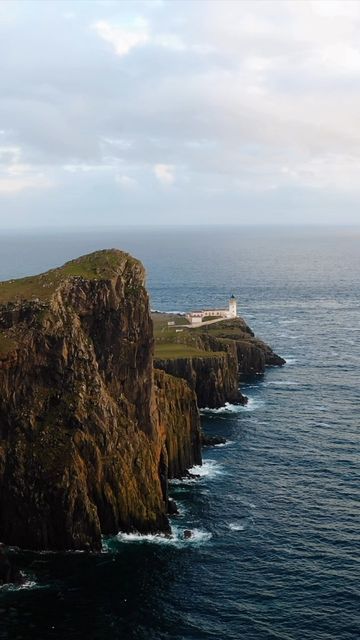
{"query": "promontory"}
pixel 90 432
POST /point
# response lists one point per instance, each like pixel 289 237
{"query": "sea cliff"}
pixel 87 439
pixel 90 431
pixel 212 359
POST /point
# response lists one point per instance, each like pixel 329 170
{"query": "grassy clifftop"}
pixel 100 265
pixel 179 340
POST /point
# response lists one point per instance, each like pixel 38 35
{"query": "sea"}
pixel 275 512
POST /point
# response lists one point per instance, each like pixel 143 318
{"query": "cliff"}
pixel 213 358
pixel 87 440
pixel 179 420
pixel 214 379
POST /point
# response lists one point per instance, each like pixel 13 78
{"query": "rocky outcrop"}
pixel 86 440
pixel 230 351
pixel 213 378
pixel 253 355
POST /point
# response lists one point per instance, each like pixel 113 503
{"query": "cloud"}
pixel 126 182
pixel 243 103
pixel 16 176
pixel 13 185
pixel 123 39
pixel 164 173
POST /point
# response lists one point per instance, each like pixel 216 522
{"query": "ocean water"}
pixel 275 513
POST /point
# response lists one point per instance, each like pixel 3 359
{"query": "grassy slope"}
pixel 98 265
pixel 170 343
pixel 172 351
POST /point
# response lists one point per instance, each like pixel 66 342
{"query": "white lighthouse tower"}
pixel 232 307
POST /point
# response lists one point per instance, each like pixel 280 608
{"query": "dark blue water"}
pixel 276 549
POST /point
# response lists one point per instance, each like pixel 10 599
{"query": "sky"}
pixel 192 112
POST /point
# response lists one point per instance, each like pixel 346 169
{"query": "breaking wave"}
pixel 175 539
pixel 236 526
pixel 251 405
pixel 224 444
pixel 28 583
pixel 209 469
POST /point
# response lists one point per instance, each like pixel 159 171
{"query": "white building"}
pixel 196 317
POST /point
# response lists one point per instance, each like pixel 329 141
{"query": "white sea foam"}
pixel 209 469
pixel 27 584
pixel 251 405
pixel 236 526
pixel 290 360
pixel 183 481
pixel 181 509
pixel 175 539
pixel 227 408
pixel 224 444
pixel 288 321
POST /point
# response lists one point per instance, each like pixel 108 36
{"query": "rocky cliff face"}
pixel 253 355
pixel 229 351
pixel 214 379
pixel 179 420
pixel 83 443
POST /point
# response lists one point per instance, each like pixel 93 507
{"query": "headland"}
pixel 93 423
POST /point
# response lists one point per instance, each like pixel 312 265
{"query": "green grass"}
pixel 208 318
pixel 161 327
pixel 170 351
pixel 219 332
pixel 100 265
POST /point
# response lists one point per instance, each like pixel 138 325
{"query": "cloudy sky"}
pixel 179 112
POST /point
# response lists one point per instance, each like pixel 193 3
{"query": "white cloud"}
pixel 86 168
pixel 164 173
pixel 16 176
pixel 231 96
pixel 15 185
pixel 123 39
pixel 9 154
pixel 126 182
pixel 341 58
pixel 340 172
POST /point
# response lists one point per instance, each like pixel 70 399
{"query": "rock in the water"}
pixel 211 441
pixel 187 534
pixel 172 508
pixel 8 572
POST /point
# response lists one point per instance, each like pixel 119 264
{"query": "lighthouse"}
pixel 232 307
